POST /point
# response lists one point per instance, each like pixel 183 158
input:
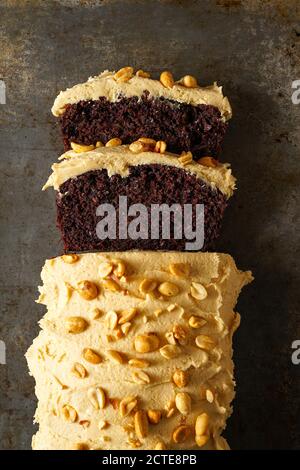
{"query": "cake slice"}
pixel 135 350
pixel 124 105
pixel 183 200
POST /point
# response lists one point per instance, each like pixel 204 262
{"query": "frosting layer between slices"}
pixel 118 160
pixel 105 85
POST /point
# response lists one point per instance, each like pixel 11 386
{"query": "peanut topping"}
pixel 180 334
pixel 201 425
pixel 170 408
pixel 105 269
pixel 110 338
pixel 196 322
pixel 141 378
pixel 181 433
pixel 115 403
pixel 189 81
pixel 166 79
pixel 87 290
pixel 119 269
pixel 146 343
pixel 119 333
pixel 185 158
pixel 180 378
pixel 183 403
pixel 201 440
pixel 179 269
pixel 103 425
pixel 124 74
pixel 141 424
pixel 115 356
pixel 69 413
pixel 209 394
pixel 76 325
pixel 115 142
pixel 147 285
pixel 208 161
pixel 160 146
pixel 127 315
pixel 79 148
pixel 169 351
pixel 70 259
pixel 126 405
pixel 111 285
pixel 97 397
pixel 168 289
pixel 139 363
pixel 160 445
pixel 91 356
pixel 141 73
pixel 158 312
pixel 85 423
pixel 205 342
pixel 125 328
pixel 147 141
pixel 198 291
pixel 79 370
pixel 111 320
pixel 173 307
pixel 170 337
pixel 138 147
pixel 154 416
pixel 96 313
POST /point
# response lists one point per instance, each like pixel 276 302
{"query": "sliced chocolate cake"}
pixel 113 198
pixel 127 105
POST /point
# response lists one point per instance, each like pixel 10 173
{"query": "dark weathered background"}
pixel 253 48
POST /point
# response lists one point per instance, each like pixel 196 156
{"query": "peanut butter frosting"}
pixel 135 350
pixel 106 85
pixel 118 160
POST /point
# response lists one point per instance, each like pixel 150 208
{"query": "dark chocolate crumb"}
pixel 182 126
pixel 147 184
